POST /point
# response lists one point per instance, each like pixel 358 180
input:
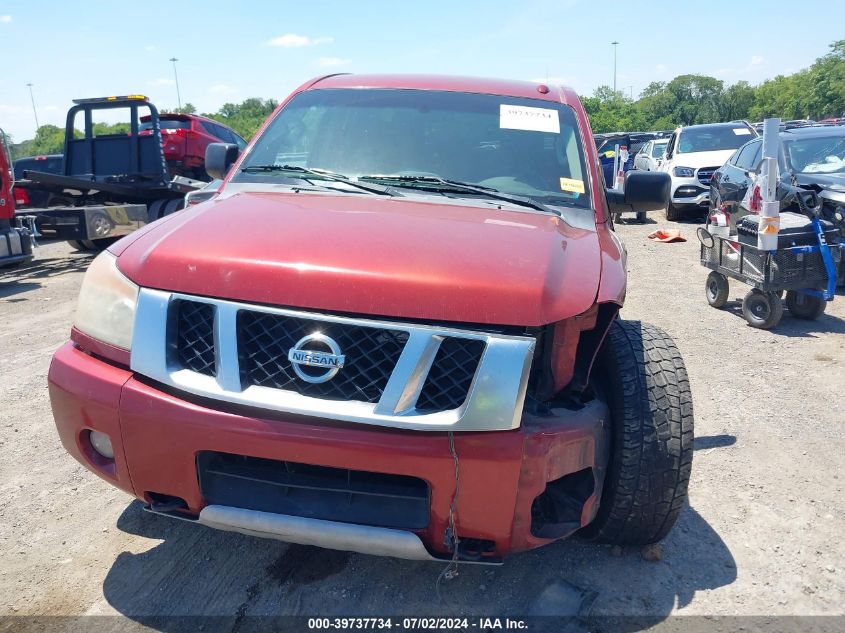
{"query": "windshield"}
pixel 165 124
pixel 711 139
pixel 525 147
pixel 659 149
pixel 825 155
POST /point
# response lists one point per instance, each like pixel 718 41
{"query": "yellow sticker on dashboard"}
pixel 570 184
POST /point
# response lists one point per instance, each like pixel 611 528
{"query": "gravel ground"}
pixel 762 534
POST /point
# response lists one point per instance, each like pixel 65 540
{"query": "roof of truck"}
pixel 504 87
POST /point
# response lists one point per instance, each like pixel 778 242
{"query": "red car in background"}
pixel 184 138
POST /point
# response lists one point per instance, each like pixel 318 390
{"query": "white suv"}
pixel 694 152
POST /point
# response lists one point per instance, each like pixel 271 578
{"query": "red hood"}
pixel 371 255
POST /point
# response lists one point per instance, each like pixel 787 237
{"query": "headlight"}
pixel 684 172
pixel 107 302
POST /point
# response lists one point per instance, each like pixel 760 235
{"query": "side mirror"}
pixel 219 157
pixel 643 191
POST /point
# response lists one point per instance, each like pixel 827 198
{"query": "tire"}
pixel 76 245
pixel 642 217
pixel 172 206
pixel 673 213
pixel 102 225
pixel 804 306
pixel 716 289
pixel 154 210
pixel 650 439
pixel 762 310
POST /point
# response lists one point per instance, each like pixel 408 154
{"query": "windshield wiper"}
pixel 317 174
pixel 435 183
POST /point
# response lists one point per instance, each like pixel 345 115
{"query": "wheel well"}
pixel 567 352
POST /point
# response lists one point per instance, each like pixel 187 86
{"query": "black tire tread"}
pixel 775 314
pixel 651 437
pixel 672 213
pixel 815 309
pixel 721 297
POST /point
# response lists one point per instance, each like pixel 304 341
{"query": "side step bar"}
pixel 375 541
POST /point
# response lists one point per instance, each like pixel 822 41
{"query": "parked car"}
pixel 810 159
pixel 605 145
pixel 693 153
pixel 26 199
pixel 326 352
pixel 650 156
pixel 184 139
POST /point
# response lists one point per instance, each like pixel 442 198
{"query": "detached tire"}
pixel 650 439
pixel 804 306
pixel 716 289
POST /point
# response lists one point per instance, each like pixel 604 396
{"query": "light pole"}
pixel 615 44
pixel 34 111
pixel 631 88
pixel 176 77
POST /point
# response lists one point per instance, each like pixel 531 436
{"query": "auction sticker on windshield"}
pixel 570 184
pixel 513 117
pixel 741 131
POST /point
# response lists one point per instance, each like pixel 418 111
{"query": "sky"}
pixel 229 51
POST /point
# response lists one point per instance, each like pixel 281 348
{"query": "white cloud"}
pixel 292 40
pixel 660 68
pixel 222 89
pixel 161 81
pixel 149 48
pixel 332 62
pixel 756 60
pixel 5 19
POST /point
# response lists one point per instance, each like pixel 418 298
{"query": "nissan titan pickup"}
pixel 395 330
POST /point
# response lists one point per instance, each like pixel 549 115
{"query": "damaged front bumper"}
pixel 512 490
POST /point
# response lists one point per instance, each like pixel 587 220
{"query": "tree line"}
pixel 815 92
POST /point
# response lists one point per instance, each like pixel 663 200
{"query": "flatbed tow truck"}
pixel 113 184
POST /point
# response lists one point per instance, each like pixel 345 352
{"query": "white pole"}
pixel 767 234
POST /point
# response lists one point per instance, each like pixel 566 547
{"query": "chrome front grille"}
pixel 371 355
pixel 195 336
pixel 395 374
pixel 704 174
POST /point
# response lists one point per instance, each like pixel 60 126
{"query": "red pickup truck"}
pixel 394 331
pixel 184 138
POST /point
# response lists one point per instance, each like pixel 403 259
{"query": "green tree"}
pixel 736 102
pixel 188 108
pixel 246 117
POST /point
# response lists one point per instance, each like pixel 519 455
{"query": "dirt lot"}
pixel 762 534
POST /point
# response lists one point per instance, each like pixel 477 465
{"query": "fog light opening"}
pixel 101 443
pixel 557 511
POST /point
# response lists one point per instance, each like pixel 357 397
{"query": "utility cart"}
pixel 806 274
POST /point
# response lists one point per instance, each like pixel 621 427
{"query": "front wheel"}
pixel 650 435
pixel 673 213
pixel 717 289
pixel 641 217
pixel 762 310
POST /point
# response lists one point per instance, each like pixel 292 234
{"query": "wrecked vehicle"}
pixel 395 330
pixel 810 159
